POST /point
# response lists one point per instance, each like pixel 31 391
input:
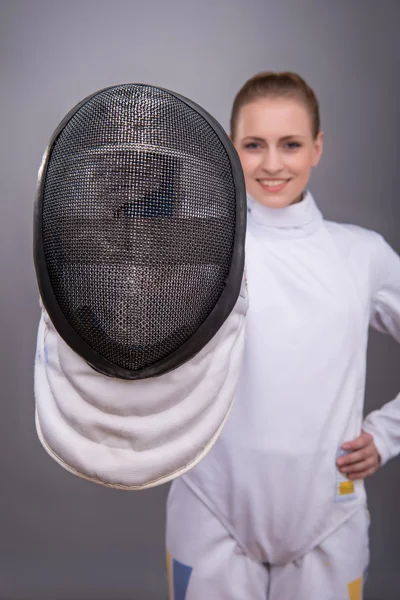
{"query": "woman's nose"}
pixel 272 161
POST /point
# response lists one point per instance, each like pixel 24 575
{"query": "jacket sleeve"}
pixel 384 424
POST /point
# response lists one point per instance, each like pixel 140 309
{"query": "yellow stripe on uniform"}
pixel 170 577
pixel 355 589
pixel 346 487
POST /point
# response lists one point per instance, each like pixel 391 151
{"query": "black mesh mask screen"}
pixel 138 223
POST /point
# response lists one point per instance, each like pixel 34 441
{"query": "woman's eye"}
pixel 292 145
pixel 252 145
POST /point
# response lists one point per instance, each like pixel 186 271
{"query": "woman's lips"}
pixel 273 185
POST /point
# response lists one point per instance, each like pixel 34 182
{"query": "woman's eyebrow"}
pixel 286 137
pixel 253 137
pixel 293 135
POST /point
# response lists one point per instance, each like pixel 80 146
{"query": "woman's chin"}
pixel 275 200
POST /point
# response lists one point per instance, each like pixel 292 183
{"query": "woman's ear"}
pixel 318 148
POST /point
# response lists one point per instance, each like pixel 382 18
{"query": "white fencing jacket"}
pixel 314 289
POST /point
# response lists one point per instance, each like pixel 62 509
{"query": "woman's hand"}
pixel 363 459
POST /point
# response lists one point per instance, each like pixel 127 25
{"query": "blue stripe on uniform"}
pixel 181 576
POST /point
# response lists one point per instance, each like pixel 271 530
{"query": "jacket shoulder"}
pixel 351 237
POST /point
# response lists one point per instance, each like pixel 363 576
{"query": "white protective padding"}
pixel 135 434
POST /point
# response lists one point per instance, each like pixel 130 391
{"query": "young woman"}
pixel 277 509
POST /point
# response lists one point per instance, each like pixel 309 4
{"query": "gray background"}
pixel 62 538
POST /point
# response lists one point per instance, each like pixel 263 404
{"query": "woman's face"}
pixel 277 149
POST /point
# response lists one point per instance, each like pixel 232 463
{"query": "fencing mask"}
pixel 139 233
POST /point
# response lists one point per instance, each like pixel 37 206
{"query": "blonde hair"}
pixel 275 85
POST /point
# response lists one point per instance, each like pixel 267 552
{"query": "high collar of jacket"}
pixel 295 220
